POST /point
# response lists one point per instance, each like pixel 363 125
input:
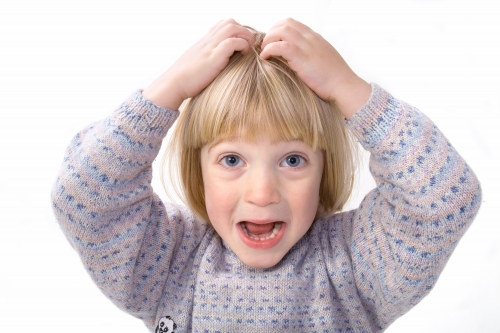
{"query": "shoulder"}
pixel 330 232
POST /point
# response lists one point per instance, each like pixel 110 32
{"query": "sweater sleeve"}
pixel 405 230
pixel 103 199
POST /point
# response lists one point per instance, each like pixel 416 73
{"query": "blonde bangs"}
pixel 255 98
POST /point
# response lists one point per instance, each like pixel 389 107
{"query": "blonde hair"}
pixel 252 98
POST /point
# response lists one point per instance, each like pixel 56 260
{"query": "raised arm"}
pixel 405 230
pixel 426 197
pixel 103 198
pixel 105 205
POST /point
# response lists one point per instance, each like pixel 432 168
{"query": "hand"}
pixel 318 64
pixel 200 64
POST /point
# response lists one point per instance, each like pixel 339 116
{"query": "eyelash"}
pixel 223 158
pixel 302 161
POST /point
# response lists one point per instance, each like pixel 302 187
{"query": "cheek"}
pixel 305 199
pixel 219 201
pixel 309 203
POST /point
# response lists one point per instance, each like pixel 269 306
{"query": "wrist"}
pixel 163 92
pixel 352 95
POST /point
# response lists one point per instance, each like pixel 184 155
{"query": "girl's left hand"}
pixel 317 63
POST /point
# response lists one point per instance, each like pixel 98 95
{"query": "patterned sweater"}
pixel 354 271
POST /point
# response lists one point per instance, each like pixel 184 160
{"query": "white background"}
pixel 64 64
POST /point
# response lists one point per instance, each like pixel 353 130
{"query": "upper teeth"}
pixel 274 232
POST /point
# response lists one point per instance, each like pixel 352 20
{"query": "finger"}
pixel 287 21
pixel 215 31
pixel 230 45
pixel 234 31
pixel 285 49
pixel 290 22
pixel 284 41
pixel 284 32
pixel 222 23
pixel 295 33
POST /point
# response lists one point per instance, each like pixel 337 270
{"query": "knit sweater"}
pixel 354 271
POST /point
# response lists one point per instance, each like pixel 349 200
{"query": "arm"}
pixel 103 198
pixel 405 230
pixel 105 205
pixel 403 233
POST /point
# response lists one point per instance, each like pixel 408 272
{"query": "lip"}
pixel 261 244
pixel 266 221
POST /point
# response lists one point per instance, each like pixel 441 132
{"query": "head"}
pixel 259 153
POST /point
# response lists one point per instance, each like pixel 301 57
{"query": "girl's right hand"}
pixel 200 64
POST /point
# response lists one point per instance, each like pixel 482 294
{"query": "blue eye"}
pixel 231 160
pixel 293 161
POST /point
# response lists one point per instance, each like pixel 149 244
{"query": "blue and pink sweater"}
pixel 354 271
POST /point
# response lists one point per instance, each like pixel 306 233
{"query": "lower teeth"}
pixel 276 229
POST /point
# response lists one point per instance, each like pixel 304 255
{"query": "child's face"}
pixel 261 197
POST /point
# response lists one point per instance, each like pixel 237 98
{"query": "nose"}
pixel 262 188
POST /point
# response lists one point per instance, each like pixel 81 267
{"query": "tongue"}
pixel 259 229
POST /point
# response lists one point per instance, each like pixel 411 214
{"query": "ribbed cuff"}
pixel 144 117
pixel 372 123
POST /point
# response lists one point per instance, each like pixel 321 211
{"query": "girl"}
pixel 265 162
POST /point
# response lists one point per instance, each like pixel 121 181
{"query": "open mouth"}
pixel 261 235
pixel 261 231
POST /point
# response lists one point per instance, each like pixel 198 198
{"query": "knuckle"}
pixel 285 46
pixel 230 21
pixel 229 27
pixel 287 28
pixel 228 42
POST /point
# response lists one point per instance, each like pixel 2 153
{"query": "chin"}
pixel 261 262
